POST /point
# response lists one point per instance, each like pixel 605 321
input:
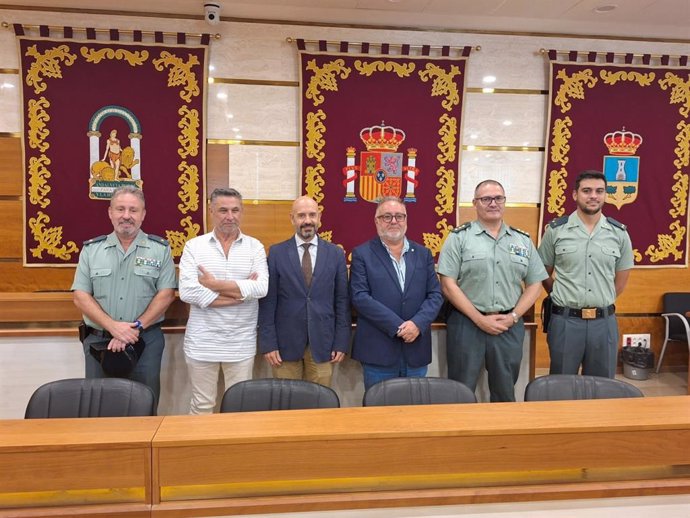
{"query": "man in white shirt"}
pixel 222 276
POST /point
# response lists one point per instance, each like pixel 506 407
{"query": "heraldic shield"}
pixel 621 168
pixel 382 175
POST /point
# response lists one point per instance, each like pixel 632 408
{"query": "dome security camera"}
pixel 212 13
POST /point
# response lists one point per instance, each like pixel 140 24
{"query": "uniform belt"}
pixel 489 313
pixel 584 313
pixel 100 333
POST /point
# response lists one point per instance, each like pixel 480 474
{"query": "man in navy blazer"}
pixel 305 319
pixel 396 293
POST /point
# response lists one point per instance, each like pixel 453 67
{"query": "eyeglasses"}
pixel 390 217
pixel 486 200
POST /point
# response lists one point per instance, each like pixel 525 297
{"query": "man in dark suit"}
pixel 304 320
pixel 396 293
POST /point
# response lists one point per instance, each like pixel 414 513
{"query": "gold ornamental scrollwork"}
pixel 189 194
pixel 557 187
pixel 573 87
pixel 668 244
pixel 637 256
pixel 679 201
pixel 369 67
pixel 96 56
pixel 49 239
pixel 315 129
pixel 611 78
pixel 449 143
pixel 189 132
pixel 326 235
pixel 38 181
pixel 445 186
pixel 180 73
pixel 178 239
pixel 443 83
pixel 325 78
pixel 680 91
pixel 47 65
pixel 314 182
pixel 38 117
pixel 434 241
pixel 682 151
pixel 559 143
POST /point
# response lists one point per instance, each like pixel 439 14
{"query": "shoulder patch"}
pixel 95 240
pixel 558 221
pixel 616 223
pixel 158 239
pixel 519 231
pixel 462 227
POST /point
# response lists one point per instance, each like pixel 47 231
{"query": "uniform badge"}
pixel 519 250
pixel 147 261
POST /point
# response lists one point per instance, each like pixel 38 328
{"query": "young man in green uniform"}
pixel 491 274
pixel 588 257
pixel 123 284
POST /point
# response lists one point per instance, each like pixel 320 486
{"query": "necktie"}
pixel 306 264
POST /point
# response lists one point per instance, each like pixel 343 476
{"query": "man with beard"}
pixel 395 290
pixel 491 274
pixel 123 284
pixel 588 257
pixel 222 275
pixel 304 320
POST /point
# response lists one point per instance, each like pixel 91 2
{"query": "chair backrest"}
pixel 97 397
pixel 676 303
pixel 277 394
pixel 556 387
pixel 417 391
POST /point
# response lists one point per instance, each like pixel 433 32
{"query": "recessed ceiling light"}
pixel 474 136
pixel 605 8
pixel 489 79
pixel 507 123
pixel 222 95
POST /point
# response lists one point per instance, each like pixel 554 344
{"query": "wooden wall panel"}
pixel 11 229
pixel 10 166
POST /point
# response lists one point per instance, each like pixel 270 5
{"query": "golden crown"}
pixel 382 138
pixel 622 142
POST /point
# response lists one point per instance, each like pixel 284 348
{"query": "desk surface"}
pixel 432 420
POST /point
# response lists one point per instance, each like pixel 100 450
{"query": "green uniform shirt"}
pixel 123 283
pixel 489 271
pixel 585 265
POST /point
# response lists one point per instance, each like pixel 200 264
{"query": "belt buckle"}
pixel 589 313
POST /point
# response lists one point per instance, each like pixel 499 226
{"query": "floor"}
pixel 673 383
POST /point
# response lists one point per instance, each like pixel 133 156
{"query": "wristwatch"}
pixel 140 327
pixel 515 317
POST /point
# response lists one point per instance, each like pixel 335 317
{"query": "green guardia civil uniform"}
pixel 491 272
pixel 583 330
pixel 123 284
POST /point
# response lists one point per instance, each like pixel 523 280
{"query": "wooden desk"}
pixel 77 462
pixel 427 455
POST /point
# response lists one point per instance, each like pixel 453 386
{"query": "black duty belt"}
pixel 506 312
pixel 584 313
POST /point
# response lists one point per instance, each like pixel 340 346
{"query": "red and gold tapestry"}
pixel 102 114
pixel 629 121
pixel 382 125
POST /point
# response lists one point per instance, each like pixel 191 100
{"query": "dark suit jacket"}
pixel 290 316
pixel 382 306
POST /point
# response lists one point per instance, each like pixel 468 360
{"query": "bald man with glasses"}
pixel 491 273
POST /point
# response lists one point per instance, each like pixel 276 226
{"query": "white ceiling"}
pixel 643 19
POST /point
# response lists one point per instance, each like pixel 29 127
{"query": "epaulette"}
pixel 559 221
pixel 157 239
pixel 519 231
pixel 462 227
pixel 616 223
pixel 95 240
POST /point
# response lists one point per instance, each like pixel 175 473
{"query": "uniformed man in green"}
pixel 588 257
pixel 123 284
pixel 491 274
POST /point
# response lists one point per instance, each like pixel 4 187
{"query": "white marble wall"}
pixel 256 51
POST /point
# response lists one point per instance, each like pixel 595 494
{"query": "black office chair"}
pixel 417 391
pixel 677 328
pixel 277 394
pixel 98 397
pixel 558 387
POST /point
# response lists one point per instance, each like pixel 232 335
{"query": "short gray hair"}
pixel 128 189
pixel 225 191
